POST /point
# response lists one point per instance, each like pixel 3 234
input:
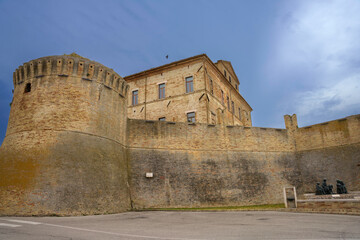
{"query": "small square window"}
pixel 162 91
pixel 189 84
pixel 191 117
pixel 135 97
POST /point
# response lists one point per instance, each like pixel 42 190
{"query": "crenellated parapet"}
pixel 70 66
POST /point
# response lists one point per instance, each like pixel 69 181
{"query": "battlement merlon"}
pixel 291 122
pixel 66 66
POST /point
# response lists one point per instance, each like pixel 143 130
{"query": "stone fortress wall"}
pixel 206 165
pixel 70 149
pixel 329 150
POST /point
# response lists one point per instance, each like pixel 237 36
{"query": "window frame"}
pixel 191 117
pixel 162 92
pixel 190 83
pixel 133 102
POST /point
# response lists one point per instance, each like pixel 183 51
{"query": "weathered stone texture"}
pixel 194 165
pixel 208 178
pixel 164 135
pixel 78 174
pixel 329 134
pixel 64 152
pixel 328 150
pixel 202 165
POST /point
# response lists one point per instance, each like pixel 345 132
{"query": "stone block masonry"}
pixel 203 165
pixel 348 206
pixel 70 149
pixel 64 150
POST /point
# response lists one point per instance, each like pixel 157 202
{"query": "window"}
pixel 232 107
pixel 189 84
pixel 191 117
pixel 228 102
pixel 224 73
pixel 161 90
pixel 27 88
pixel 236 86
pixel 211 86
pixel 135 97
pixel 222 97
pixel 229 78
pixel 239 113
pixel 162 119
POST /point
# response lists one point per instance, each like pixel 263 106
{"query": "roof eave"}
pixel 163 67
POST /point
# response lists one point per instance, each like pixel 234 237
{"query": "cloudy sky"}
pixel 299 56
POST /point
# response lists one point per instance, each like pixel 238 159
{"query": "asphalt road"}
pixel 183 226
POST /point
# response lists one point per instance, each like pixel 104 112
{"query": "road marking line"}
pixel 9 225
pixel 118 234
pixel 22 221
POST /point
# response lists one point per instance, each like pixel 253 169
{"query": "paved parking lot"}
pixel 184 226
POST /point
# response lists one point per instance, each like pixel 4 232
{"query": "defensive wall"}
pixel 210 165
pixel 70 149
pixel 329 150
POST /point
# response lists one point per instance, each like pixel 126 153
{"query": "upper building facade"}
pixel 190 90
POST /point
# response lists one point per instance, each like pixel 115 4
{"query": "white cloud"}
pixel 343 95
pixel 318 35
pixel 316 47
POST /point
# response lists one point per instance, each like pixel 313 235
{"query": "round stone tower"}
pixel 64 151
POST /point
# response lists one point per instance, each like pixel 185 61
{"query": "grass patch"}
pixel 223 208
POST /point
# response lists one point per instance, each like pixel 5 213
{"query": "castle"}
pixel 70 148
